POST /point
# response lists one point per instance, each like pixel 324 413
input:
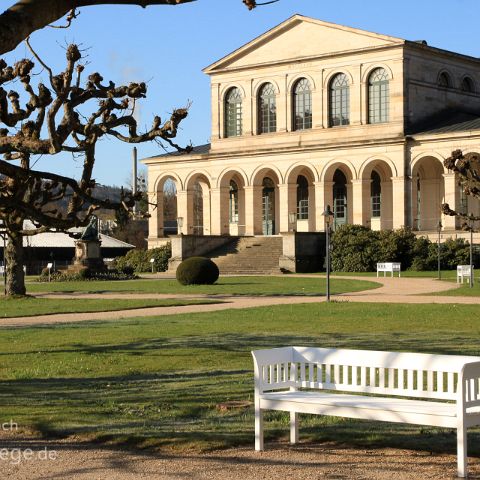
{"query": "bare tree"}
pixel 467 167
pixel 26 16
pixel 53 119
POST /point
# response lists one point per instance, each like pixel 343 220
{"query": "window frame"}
pixel 301 100
pixel 378 97
pixel 339 101
pixel 233 113
pixel 266 109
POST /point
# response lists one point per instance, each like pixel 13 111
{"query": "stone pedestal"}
pixel 87 255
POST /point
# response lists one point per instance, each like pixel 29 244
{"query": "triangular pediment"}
pixel 301 37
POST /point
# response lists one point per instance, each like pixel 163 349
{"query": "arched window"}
pixel 376 194
pixel 197 209
pixel 378 96
pixel 468 85
pixel 302 105
pixel 302 198
pixel 233 204
pixel 444 80
pixel 339 198
pixel 339 101
pixel 267 109
pixel 233 113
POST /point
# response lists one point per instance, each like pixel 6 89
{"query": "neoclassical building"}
pixel 311 114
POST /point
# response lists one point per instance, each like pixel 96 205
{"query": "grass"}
pixel 29 306
pixel 463 291
pixel 281 285
pixel 155 382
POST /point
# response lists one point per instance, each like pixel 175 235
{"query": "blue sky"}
pixel 168 46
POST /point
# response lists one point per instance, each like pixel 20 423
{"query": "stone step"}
pixel 249 256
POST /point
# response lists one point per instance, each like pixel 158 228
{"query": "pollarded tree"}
pixel 65 116
pixel 467 168
pixel 26 16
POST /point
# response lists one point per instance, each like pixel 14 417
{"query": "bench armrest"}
pixel 469 386
pixel 272 368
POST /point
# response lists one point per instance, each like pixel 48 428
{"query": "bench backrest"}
pixel 465 269
pixel 388 267
pixel 362 371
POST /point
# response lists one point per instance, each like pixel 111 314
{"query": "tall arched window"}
pixel 376 194
pixel 468 85
pixel 339 198
pixel 302 198
pixel 378 96
pixel 339 100
pixel 197 209
pixel 233 113
pixel 302 105
pixel 233 204
pixel 267 109
pixel 444 80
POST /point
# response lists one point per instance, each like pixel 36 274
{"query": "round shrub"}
pixel 197 271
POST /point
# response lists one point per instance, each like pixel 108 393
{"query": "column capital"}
pixel 361 181
pixel 400 179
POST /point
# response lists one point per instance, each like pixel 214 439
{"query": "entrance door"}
pixel 268 207
pixel 339 199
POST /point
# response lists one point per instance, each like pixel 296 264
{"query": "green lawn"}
pixel 281 285
pixel 155 382
pixel 29 306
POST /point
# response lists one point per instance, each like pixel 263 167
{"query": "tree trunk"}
pixel 14 263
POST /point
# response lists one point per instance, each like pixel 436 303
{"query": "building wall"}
pixel 425 97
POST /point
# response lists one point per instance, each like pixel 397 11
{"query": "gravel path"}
pixel 393 290
pixel 78 461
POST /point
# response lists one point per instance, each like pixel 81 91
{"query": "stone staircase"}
pixel 249 256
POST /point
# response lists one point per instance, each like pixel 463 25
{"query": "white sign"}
pixel 49 265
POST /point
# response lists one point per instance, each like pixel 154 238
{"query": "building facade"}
pixel 311 114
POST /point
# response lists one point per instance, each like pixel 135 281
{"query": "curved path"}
pixel 393 290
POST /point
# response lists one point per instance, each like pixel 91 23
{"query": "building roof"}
pixel 198 150
pixel 363 37
pixel 63 240
pixel 451 123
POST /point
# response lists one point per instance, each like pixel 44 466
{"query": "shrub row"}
pixel 358 249
pixel 84 274
pixel 138 260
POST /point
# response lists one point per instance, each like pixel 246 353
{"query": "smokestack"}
pixel 134 176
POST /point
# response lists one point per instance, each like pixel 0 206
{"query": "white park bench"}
pixel 463 271
pixel 389 267
pixel 415 388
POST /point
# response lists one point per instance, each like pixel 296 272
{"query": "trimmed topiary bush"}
pixel 197 271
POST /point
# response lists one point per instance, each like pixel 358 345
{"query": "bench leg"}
pixel 258 430
pixel 293 427
pixel 461 451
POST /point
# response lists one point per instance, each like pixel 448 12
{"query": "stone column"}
pixel 183 211
pixel 217 207
pixel 360 202
pixel 250 210
pixel 287 193
pixel 319 206
pixel 452 197
pixel 399 192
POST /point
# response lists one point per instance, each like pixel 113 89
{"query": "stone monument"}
pixel 87 249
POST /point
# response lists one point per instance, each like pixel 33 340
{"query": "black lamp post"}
pixel 439 230
pixel 328 214
pixel 292 218
pixel 470 225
